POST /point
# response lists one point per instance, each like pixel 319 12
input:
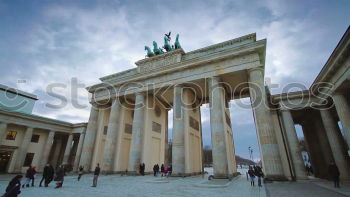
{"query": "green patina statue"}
pixel 177 43
pixel 158 51
pixel 149 52
pixel 167 46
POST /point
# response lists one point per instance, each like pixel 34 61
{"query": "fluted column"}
pixel 68 149
pixel 22 151
pixel 294 147
pixel 178 143
pixel 335 142
pixel 137 133
pixel 111 139
pixel 271 159
pixel 47 148
pixel 343 110
pixel 89 141
pixel 78 154
pixel 3 128
pixel 217 125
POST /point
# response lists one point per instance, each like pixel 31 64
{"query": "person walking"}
pixel 251 174
pixel 33 175
pixel 142 169
pixel 259 173
pixel 28 177
pixel 59 176
pixel 334 174
pixel 45 175
pixel 96 174
pixel 14 187
pixel 170 170
pixel 81 171
pixel 155 170
pixel 162 170
pixel 50 175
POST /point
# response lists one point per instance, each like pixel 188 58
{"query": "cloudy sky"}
pixel 56 42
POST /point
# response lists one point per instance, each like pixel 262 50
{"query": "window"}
pixel 128 128
pixel 28 160
pixel 105 130
pixel 35 138
pixel 156 127
pixel 11 135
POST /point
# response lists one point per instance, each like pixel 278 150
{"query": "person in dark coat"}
pixel 50 175
pixel 170 170
pixel 96 174
pixel 251 174
pixel 162 169
pixel 334 174
pixel 142 169
pixel 14 187
pixel 81 171
pixel 155 170
pixel 29 176
pixel 45 174
pixel 259 173
pixel 59 177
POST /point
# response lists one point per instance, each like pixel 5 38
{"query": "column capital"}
pixel 260 68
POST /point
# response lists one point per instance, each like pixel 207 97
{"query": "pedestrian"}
pixel 45 175
pixel 81 171
pixel 162 170
pixel 96 174
pixel 50 175
pixel 170 170
pixel 259 173
pixel 166 171
pixel 28 177
pixel 14 187
pixel 251 174
pixel 33 175
pixel 155 170
pixel 142 169
pixel 334 174
pixel 59 176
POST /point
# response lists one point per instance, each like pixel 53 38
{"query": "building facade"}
pixel 27 139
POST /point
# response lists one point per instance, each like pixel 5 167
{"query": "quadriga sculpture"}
pixel 149 52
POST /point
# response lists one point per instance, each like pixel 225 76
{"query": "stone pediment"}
pixel 158 61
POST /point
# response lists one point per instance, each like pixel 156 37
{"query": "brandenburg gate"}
pixel 128 122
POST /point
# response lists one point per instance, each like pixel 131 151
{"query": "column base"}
pixel 270 178
pixel 185 174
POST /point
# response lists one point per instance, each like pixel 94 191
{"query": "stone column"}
pixel 137 133
pixel 111 139
pixel 270 155
pixel 89 141
pixel 335 141
pixel 178 143
pixel 217 126
pixel 47 148
pixel 22 151
pixel 68 149
pixel 293 142
pixel 78 154
pixel 3 128
pixel 56 152
pixel 343 110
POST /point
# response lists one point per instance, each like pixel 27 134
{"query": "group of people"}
pixel 165 171
pixel 49 174
pixel 253 172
